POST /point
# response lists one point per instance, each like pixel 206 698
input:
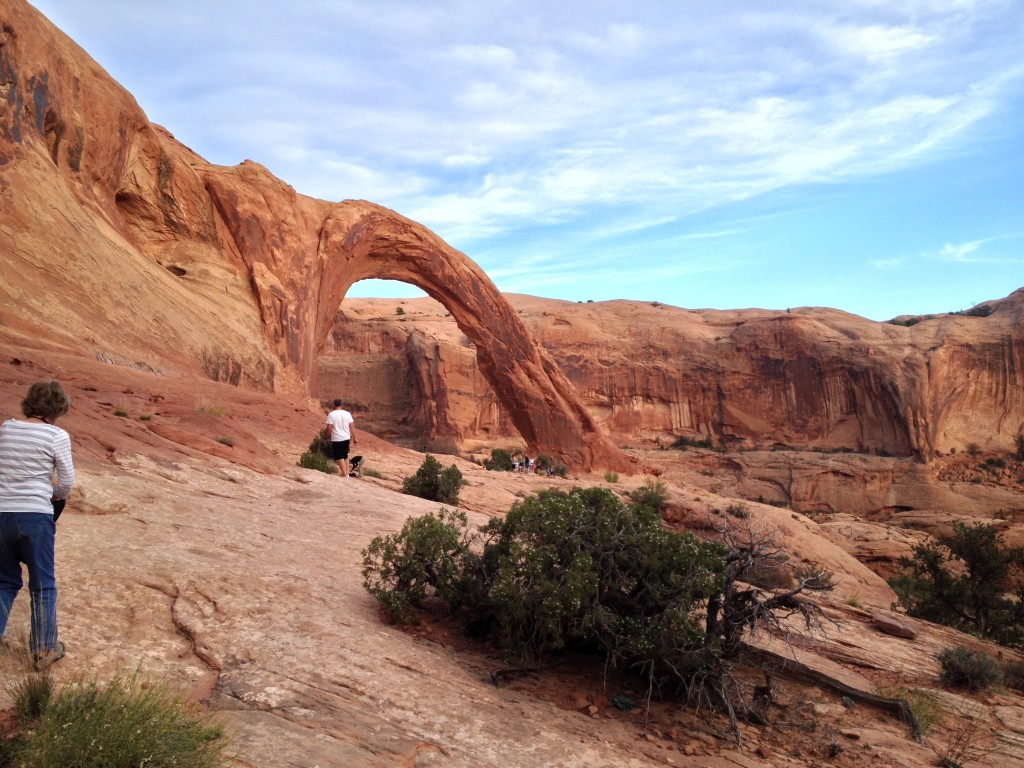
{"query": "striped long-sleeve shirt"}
pixel 29 455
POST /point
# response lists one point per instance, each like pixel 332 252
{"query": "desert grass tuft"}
pixel 125 722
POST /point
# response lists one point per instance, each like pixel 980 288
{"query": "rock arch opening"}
pixel 378 244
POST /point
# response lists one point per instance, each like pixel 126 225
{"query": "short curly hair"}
pixel 46 400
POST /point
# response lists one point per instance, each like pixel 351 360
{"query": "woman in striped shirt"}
pixel 31 450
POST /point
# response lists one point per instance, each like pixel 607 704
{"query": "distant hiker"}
pixel 341 434
pixel 31 450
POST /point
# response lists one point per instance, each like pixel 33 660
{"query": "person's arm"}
pixel 352 433
pixel 328 428
pixel 65 466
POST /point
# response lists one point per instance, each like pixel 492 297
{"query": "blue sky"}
pixel 858 154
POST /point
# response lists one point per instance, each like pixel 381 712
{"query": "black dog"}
pixel 355 466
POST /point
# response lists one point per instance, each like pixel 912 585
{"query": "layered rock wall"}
pixel 809 378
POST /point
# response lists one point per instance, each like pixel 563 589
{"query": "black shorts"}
pixel 339 449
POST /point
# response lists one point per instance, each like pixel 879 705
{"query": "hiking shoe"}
pixel 46 658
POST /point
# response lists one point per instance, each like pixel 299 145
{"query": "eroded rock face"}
pixel 812 379
pixel 226 269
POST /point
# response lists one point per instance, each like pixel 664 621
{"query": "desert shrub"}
pixel 966 668
pixel 1013 675
pixel 30 694
pixel 545 462
pixel 682 443
pixel 966 581
pixel 124 723
pixel 653 493
pixel 321 444
pixel 1020 447
pixel 427 558
pixel 501 460
pixel 432 483
pixel 738 510
pixel 319 462
pixel 611 477
pixel 580 568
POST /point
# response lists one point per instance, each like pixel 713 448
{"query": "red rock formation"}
pixel 813 379
pixel 227 269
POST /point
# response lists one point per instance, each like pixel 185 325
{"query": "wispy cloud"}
pixel 608 120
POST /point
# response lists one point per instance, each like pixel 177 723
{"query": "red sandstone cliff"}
pixel 815 379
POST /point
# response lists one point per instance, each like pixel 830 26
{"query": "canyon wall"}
pixel 814 379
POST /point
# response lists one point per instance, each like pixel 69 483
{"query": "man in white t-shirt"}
pixel 342 436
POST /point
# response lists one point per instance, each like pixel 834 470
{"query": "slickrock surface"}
pixel 240 579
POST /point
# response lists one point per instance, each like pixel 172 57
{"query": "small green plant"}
pixel 203 406
pixel 372 473
pixel 973 449
pixel 682 443
pixel 1013 675
pixel 925 706
pixel 653 493
pixel 501 460
pixel 146 417
pixel 611 477
pixel 124 723
pixel 966 739
pixel 224 440
pixel 399 311
pixel 319 462
pixel 964 667
pixel 738 510
pixel 30 694
pixel 546 465
pixel 433 483
pixel 426 559
pixel 121 409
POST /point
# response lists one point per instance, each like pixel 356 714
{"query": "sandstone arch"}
pixel 145 201
pixel 304 255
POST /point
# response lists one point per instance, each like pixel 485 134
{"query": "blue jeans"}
pixel 27 537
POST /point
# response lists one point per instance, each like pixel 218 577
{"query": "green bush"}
pixel 966 668
pixel 121 725
pixel 426 559
pixel 544 463
pixel 653 493
pixel 682 443
pixel 966 581
pixel 501 460
pixel 317 461
pixel 30 694
pixel 580 568
pixel 432 483
pixel 611 477
pixel 321 444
